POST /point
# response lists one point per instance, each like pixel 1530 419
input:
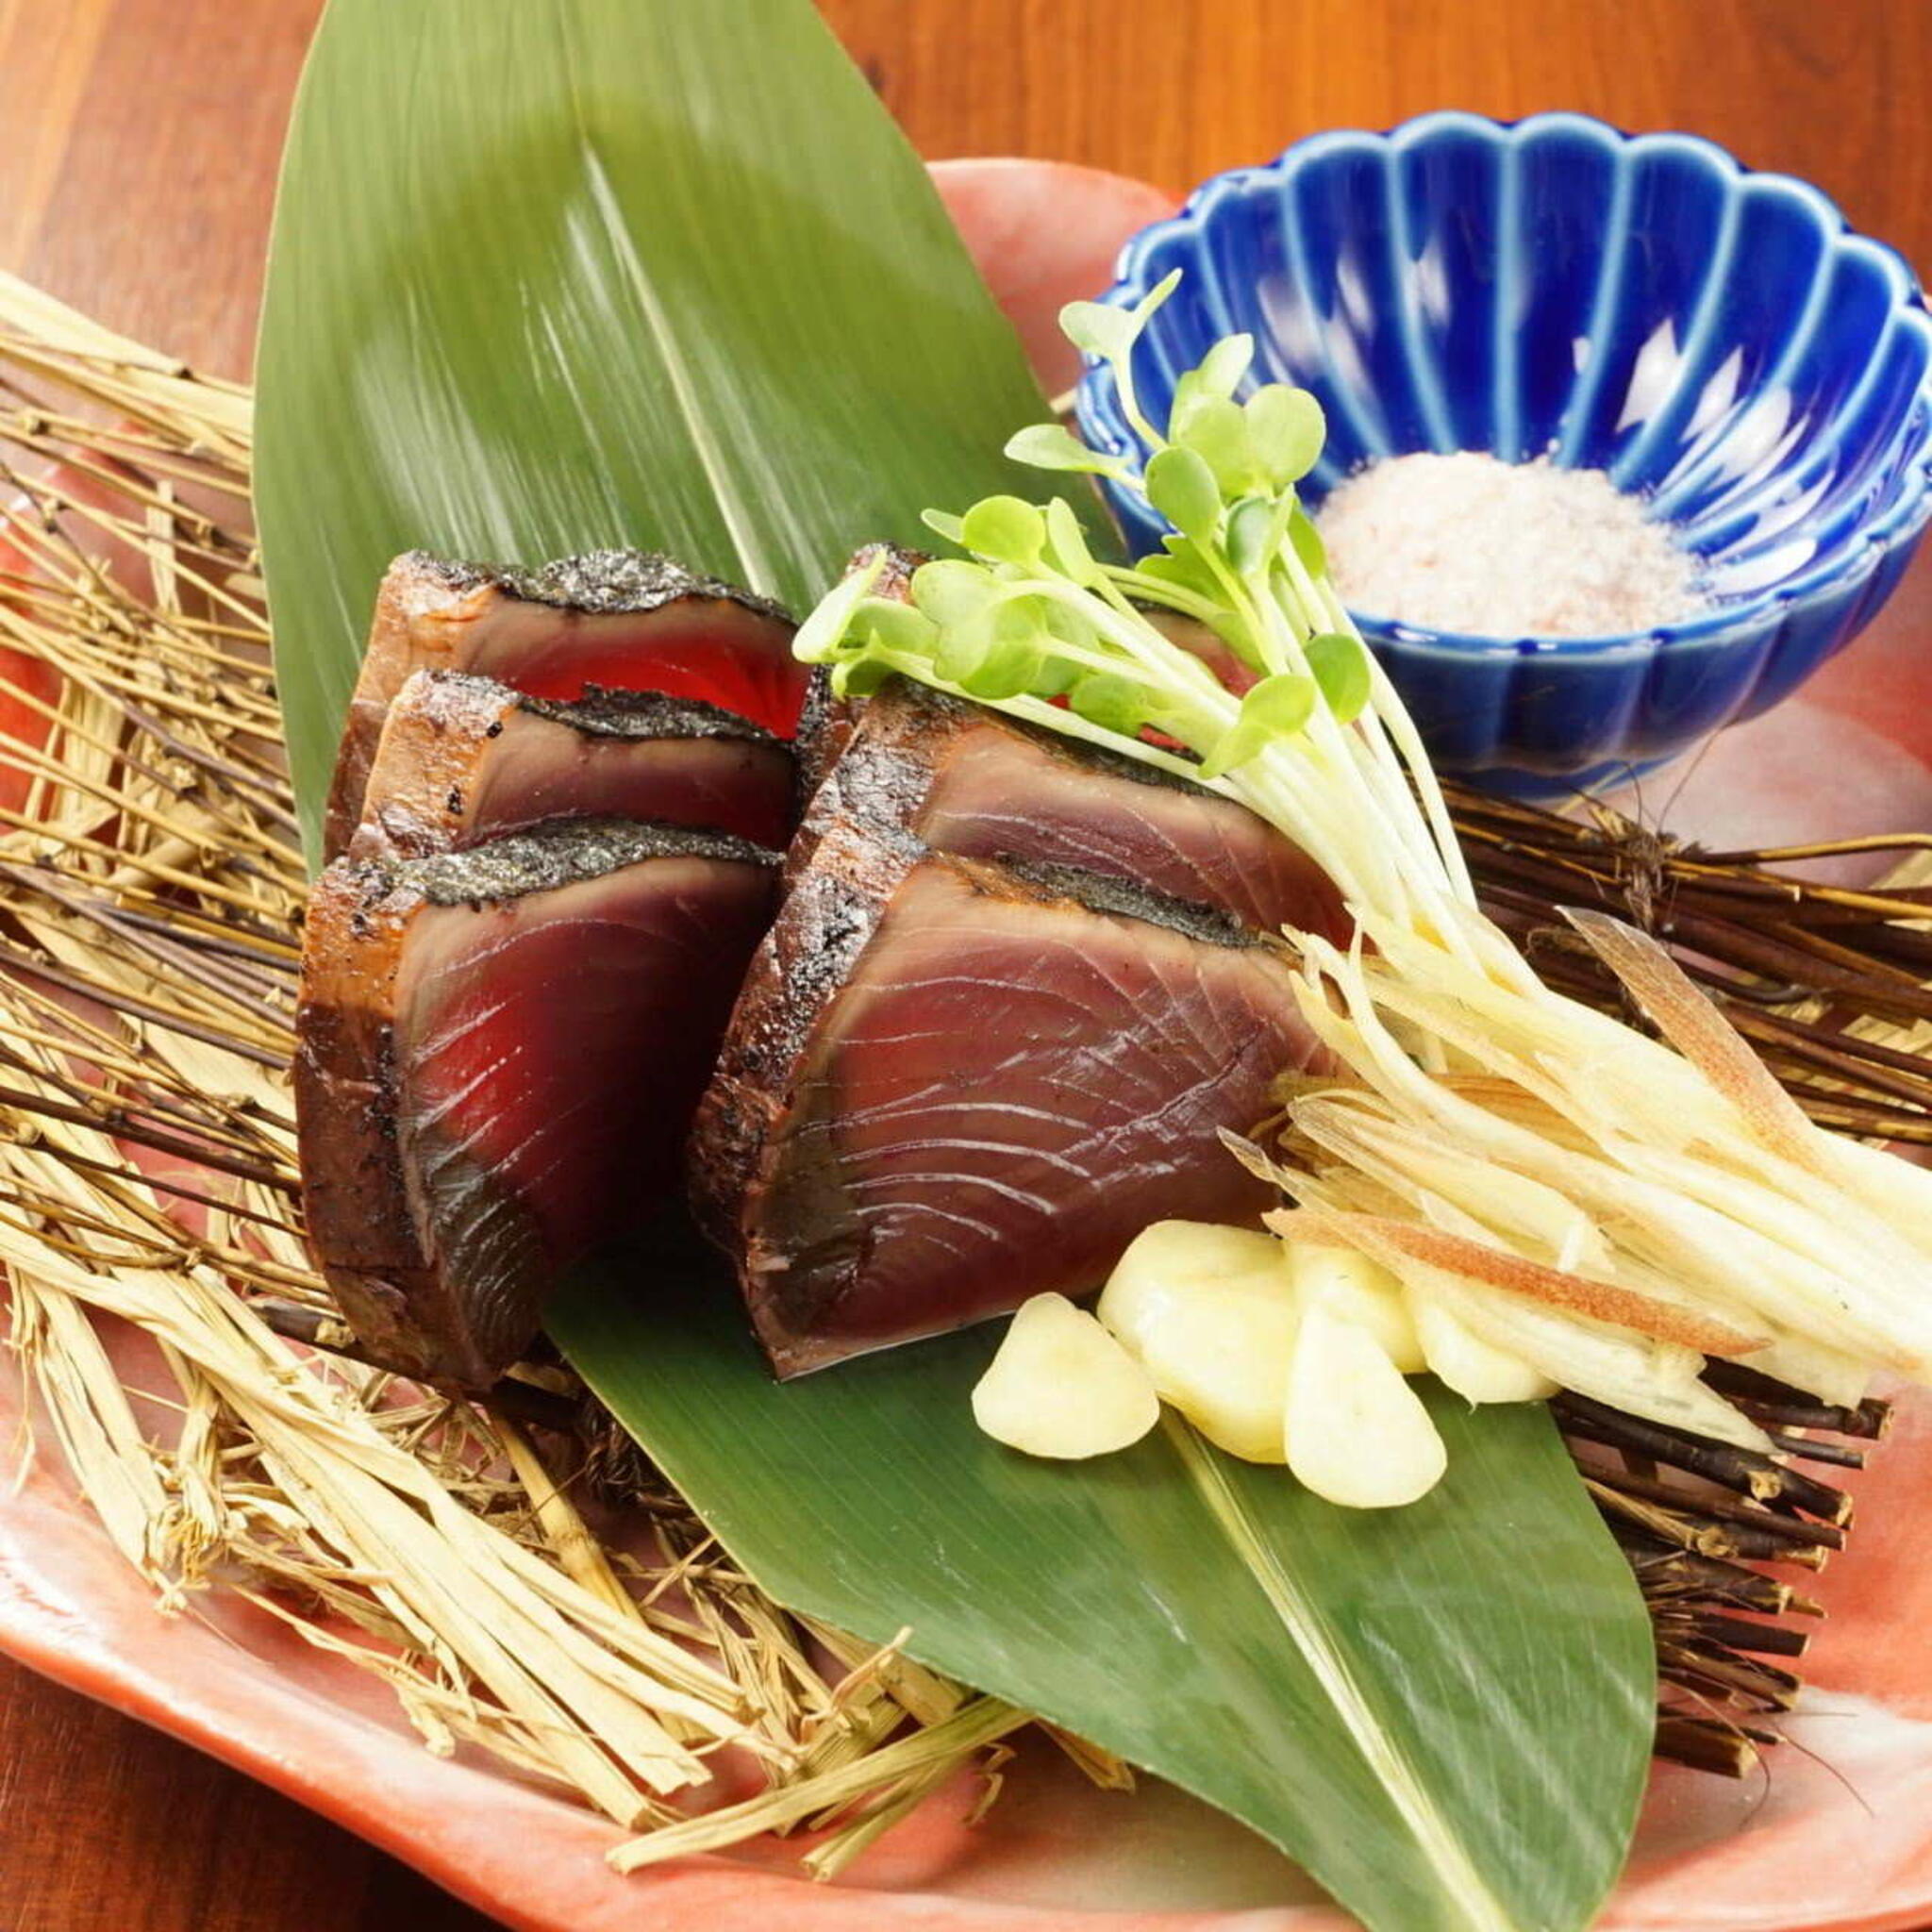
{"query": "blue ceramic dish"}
pixel 1714 338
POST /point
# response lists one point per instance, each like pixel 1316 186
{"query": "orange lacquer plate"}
pixel 1838 1836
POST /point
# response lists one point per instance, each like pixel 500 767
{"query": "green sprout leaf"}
pixel 1066 545
pixel 1216 430
pixel 1217 377
pixel 1280 704
pixel 1182 565
pixel 1154 296
pixel 1341 666
pixel 1053 447
pixel 859 677
pixel 1117 703
pixel 1224 364
pixel 1278 707
pixel 1182 487
pixel 1000 651
pixel 962 649
pixel 1287 429
pixel 1098 328
pixel 1010 666
pixel 896 625
pixel 1251 540
pixel 822 636
pixel 944 524
pixel 1068 625
pixel 1005 528
pixel 1057 675
pixel 951 591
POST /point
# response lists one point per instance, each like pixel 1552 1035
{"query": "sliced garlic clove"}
pixel 1172 1261
pixel 1059 1384
pixel 1350 1285
pixel 1356 1433
pixel 1463 1361
pixel 1222 1359
pixel 1211 1312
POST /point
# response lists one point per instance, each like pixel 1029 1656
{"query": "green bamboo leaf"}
pixel 554 273
pixel 1442 1711
pixel 666 275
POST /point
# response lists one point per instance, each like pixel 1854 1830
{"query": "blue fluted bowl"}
pixel 1716 339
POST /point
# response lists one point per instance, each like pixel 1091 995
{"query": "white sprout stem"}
pixel 1386 719
pixel 1130 402
pixel 1176 597
pixel 1283 787
pixel 1384 819
pixel 1393 715
pixel 1296 794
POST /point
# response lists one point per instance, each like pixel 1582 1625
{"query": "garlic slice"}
pixel 1210 1312
pixel 1463 1361
pixel 1347 1283
pixel 1060 1386
pixel 1170 1262
pixel 1356 1433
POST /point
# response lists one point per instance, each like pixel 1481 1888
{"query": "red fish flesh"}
pixel 499 1052
pixel 950 1084
pixel 968 780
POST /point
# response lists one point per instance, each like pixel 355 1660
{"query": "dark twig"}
pixel 1712 1744
pixel 1777 1537
pixel 1743 1471
pixel 1780 1404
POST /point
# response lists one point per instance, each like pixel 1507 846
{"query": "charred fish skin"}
pixel 968 780
pixel 827 722
pixel 828 917
pixel 498 1051
pixel 998 1077
pixel 826 725
pixel 599 583
pixel 356 1199
pixel 463 758
pixel 626 619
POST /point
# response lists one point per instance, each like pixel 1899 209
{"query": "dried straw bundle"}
pixel 154 891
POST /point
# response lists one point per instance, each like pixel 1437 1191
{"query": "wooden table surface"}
pixel 136 171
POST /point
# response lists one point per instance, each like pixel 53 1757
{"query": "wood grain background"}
pixel 137 143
